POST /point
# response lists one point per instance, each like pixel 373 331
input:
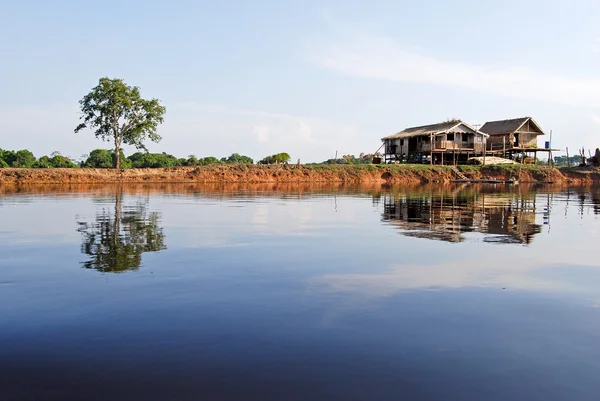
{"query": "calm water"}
pixel 183 292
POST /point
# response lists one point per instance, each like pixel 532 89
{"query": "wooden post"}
pixel 484 148
pixel 503 146
pixel 568 160
pixel 431 149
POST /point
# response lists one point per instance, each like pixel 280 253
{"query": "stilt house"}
pixel 449 142
pixel 518 135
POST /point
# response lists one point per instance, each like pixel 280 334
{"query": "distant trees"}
pixel 56 160
pixel 562 161
pixel 99 158
pixel 25 159
pixel 237 158
pixel 118 113
pixel 151 160
pixel 106 158
pixel 351 159
pixel 278 158
pixel 205 161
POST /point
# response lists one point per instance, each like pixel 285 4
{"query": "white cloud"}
pixel 261 133
pixel 595 118
pixel 381 58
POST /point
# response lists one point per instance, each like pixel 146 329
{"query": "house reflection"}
pixel 119 236
pixel 508 218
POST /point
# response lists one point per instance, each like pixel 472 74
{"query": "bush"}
pixel 192 161
pixel 8 157
pixel 153 160
pixel 277 158
pixel 100 158
pixel 238 159
pixel 24 159
pixel 205 161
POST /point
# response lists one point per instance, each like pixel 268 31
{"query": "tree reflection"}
pixel 117 239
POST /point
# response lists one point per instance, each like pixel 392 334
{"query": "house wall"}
pixel 462 140
pixel 528 140
pixel 494 142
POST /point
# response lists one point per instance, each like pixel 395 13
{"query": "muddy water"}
pixel 188 292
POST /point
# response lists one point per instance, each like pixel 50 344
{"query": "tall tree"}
pixel 118 113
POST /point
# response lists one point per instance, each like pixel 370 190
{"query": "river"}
pixel 282 292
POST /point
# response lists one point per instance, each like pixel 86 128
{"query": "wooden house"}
pixel 513 136
pixel 449 142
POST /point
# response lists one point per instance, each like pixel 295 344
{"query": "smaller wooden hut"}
pixel 449 142
pixel 514 136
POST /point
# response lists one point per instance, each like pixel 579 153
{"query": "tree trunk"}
pixel 117 154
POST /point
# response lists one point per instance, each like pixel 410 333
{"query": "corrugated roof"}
pixel 504 127
pixel 429 129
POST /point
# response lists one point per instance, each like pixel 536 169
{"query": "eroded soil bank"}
pixel 393 174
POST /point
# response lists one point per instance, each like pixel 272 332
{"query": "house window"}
pixel 449 137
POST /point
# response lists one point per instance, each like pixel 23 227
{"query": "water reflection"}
pixel 507 217
pixel 118 237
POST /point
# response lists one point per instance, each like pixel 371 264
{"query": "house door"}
pixel 412 144
pixel 516 144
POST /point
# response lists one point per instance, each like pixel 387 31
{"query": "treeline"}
pixel 351 159
pixel 104 158
pixel 563 161
pixel 25 159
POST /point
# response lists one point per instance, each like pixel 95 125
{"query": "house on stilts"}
pixel 516 138
pixel 450 142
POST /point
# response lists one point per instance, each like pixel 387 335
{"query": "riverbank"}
pixel 392 174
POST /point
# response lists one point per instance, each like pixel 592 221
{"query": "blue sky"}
pixel 305 77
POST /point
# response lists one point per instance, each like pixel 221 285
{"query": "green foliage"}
pixel 563 162
pixel 238 159
pixel 205 161
pixel 44 162
pixel 21 158
pixel 118 114
pixel 192 161
pixel 278 158
pixel 8 157
pixel 351 159
pixel 99 158
pixel 59 161
pixel 3 164
pixel 153 160
pixel 55 161
pixel 24 159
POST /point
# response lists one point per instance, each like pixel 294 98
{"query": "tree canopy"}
pixel 118 113
pixel 25 159
pixel 238 159
pixel 277 158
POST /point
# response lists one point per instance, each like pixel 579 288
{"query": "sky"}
pixel 310 78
